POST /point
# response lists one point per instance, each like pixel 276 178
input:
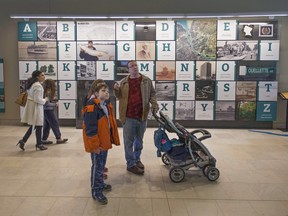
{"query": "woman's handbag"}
pixel 22 98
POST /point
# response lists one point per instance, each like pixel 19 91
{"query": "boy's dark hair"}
pixel 100 86
pixel 93 86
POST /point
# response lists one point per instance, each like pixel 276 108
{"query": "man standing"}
pixel 135 93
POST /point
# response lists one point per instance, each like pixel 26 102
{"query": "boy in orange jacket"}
pixel 99 132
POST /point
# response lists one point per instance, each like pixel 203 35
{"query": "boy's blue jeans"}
pixel 97 168
pixel 133 132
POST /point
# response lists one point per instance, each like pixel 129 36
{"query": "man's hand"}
pixel 155 109
pixel 116 86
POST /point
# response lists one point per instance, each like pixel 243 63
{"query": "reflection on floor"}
pixel 253 179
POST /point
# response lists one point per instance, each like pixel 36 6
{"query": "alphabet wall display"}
pixel 202 69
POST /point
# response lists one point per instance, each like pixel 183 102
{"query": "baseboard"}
pixel 14 122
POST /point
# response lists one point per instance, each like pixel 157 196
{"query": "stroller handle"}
pixel 157 118
pixel 182 129
pixel 166 123
pixel 205 134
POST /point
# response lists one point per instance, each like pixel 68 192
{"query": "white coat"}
pixel 33 113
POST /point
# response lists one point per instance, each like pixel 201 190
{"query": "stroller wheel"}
pixel 213 174
pixel 205 169
pixel 165 159
pixel 176 174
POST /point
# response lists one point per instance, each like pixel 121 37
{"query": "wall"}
pixel 8 42
pixel 282 73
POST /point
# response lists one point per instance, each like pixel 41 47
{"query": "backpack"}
pixel 22 98
pixel 161 141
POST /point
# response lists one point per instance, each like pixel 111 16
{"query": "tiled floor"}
pixel 253 180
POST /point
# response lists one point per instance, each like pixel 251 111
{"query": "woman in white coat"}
pixel 33 113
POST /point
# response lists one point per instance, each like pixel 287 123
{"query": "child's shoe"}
pixel 105 176
pixel 100 198
pixel 107 187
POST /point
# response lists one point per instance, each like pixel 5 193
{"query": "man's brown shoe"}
pixel 135 169
pixel 140 165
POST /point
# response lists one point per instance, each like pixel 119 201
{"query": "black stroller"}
pixel 183 153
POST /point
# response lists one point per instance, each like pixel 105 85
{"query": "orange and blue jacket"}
pixel 95 126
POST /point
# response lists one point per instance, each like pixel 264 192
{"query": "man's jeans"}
pixel 133 132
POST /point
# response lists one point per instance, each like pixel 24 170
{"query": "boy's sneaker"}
pixel 107 187
pixel 100 198
pixel 136 170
